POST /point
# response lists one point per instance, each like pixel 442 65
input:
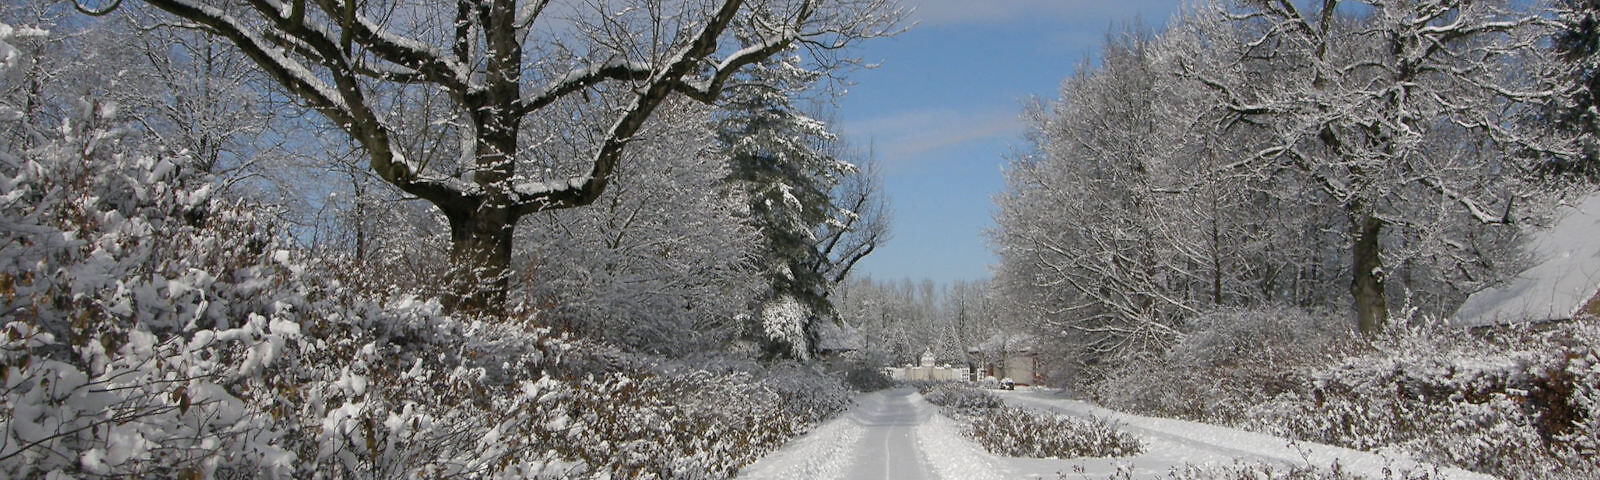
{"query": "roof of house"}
pixel 1563 280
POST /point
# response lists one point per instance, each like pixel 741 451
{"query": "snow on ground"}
pixel 891 434
pixel 822 454
pixel 1564 277
pixel 1173 443
pixel 894 434
pixel 951 454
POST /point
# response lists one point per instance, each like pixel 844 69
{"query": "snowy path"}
pixel 888 450
pixel 895 435
pixel 888 435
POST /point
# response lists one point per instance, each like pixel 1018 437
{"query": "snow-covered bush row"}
pixel 960 397
pixel 1259 471
pixel 153 330
pixel 690 424
pixel 1018 432
pixel 1229 360
pixel 1514 404
pixel 1518 406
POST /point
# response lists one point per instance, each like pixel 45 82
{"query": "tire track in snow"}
pixel 890 419
pixel 891 434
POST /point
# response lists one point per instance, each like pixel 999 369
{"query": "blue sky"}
pixel 943 110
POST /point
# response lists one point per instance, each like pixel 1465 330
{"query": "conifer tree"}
pixel 777 159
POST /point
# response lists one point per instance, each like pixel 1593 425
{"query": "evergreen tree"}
pixel 777 159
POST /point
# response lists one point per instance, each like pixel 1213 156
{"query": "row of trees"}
pixel 897 320
pixel 1369 157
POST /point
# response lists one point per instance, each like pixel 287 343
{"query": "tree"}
pixel 860 221
pixel 1217 165
pixel 664 263
pixel 858 224
pixel 1577 109
pixel 199 97
pixel 492 69
pixel 1083 233
pixel 1395 114
pixel 818 214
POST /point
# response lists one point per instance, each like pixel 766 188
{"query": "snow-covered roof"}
pixel 838 337
pixel 1564 278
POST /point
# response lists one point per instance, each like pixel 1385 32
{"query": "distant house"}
pixel 1008 355
pixel 1563 284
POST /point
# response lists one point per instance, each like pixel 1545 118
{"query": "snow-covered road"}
pixel 889 420
pixel 894 434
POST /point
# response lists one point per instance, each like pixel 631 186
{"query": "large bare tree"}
pixel 1397 113
pixel 485 71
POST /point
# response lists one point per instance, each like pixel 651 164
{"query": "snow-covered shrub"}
pixel 138 308
pixel 1017 432
pixel 1228 360
pixel 154 330
pixel 808 394
pixel 866 377
pixel 1518 406
pixel 1258 471
pixel 1579 361
pixel 961 397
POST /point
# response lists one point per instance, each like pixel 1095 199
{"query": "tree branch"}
pixel 341 103
pixel 585 190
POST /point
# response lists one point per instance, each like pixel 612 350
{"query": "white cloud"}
pixel 949 12
pixel 903 138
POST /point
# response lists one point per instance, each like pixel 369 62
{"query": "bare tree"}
pixel 1399 112
pixel 860 224
pixel 663 263
pixel 492 68
pixel 1084 235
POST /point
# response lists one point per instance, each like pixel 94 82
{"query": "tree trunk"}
pixel 1216 254
pixel 480 259
pixel 1366 286
pixel 481 234
pixel 482 226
